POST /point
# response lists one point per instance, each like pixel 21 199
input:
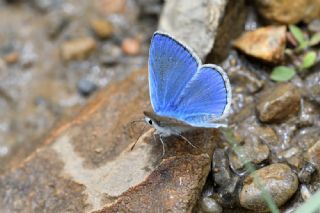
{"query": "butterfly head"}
pixel 151 119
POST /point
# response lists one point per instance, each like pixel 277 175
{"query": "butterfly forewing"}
pixel 182 88
pixel 171 67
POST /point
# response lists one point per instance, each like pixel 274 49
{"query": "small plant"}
pixel 307 57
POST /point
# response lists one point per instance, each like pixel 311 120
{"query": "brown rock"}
pixel 78 48
pixel 278 103
pixel 265 43
pixel 289 12
pixel 277 179
pixel 86 164
pixel 131 46
pixel 102 28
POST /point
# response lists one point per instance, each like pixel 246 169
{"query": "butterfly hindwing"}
pixel 206 98
pixel 171 66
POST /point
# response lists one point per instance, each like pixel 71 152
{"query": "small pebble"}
pixel 79 48
pixel 306 137
pixel 110 54
pixel 131 46
pixel 86 87
pixel 28 55
pixel 278 103
pixel 45 5
pixel 309 113
pixel 313 155
pixel 209 205
pixel 245 79
pixel 251 145
pixel 102 28
pixel 226 183
pixel 306 172
pixel 227 195
pixel 266 134
pixel 293 156
pixel 220 167
pixel 277 179
pixel 312 84
pixel 110 6
pixel 57 21
pixel 286 131
pixel 305 192
pixel 11 58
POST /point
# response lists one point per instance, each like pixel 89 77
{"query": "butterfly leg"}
pixel 154 137
pixel 163 149
pixel 186 139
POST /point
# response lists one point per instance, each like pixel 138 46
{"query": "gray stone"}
pixel 309 113
pixel 314 26
pixel 209 205
pixel 220 167
pixel 194 22
pixel 86 87
pixel 306 172
pixel 312 84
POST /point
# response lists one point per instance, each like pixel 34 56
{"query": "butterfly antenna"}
pixel 136 121
pixel 131 123
pixel 133 145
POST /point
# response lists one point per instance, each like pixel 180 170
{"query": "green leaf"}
pixel 282 73
pixel 315 39
pixel 297 33
pixel 309 59
pixel 302 46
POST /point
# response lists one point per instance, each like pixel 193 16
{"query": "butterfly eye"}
pixel 148 120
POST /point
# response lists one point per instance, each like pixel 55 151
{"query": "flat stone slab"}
pixel 86 165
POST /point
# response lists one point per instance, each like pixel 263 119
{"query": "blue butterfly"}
pixel 184 93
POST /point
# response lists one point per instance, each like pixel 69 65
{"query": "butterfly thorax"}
pixel 166 126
